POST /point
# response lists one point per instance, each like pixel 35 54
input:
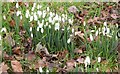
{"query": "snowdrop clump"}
pixel 87 61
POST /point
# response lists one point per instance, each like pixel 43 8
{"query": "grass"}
pixel 56 40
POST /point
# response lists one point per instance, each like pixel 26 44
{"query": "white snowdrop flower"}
pixel 35 17
pixel 27 11
pixel 87 61
pixel 34 4
pixel 91 37
pixel 105 24
pixel 57 26
pixel 21 17
pixel 4 30
pixel 40 69
pixel 39 13
pixel 50 26
pixel 47 70
pixel 63 15
pixel 68 28
pixel 0 37
pixel 46 24
pixel 106 30
pixel 18 13
pixel 38 28
pixel 17 5
pixel 31 18
pixel 30 29
pixel 42 30
pixel 69 40
pixel 4 17
pixel 56 17
pixel 51 14
pixel 72 30
pixel 63 29
pixel 70 21
pixel 38 6
pixel 59 18
pixel 33 8
pixel 63 20
pixel 43 14
pixel 117 25
pixel 31 13
pixel 97 69
pixel 66 17
pixel 50 19
pixel 84 23
pixel 99 59
pixel 26 15
pixel 96 33
pixel 31 35
pixel 40 24
pixel 48 9
pixel 92 31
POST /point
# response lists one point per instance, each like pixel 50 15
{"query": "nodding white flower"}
pixel 96 33
pixel 105 24
pixel 18 13
pixel 17 5
pixel 72 30
pixel 33 8
pixel 31 35
pixel 38 6
pixel 26 15
pixel 84 23
pixel 56 17
pixel 21 17
pixel 34 4
pixel 31 18
pixel 39 13
pixel 97 69
pixel 46 24
pixel 51 14
pixel 40 24
pixel 0 37
pixel 44 14
pixel 59 18
pixel 99 59
pixel 40 69
pixel 63 15
pixel 57 25
pixel 48 9
pixel 50 19
pixel 47 70
pixel 117 25
pixel 91 37
pixel 4 30
pixel 50 26
pixel 42 30
pixel 70 21
pixel 106 30
pixel 63 20
pixel 68 27
pixel 4 17
pixel 30 29
pixel 87 61
pixel 38 28
pixel 35 17
pixel 69 40
pixel 27 11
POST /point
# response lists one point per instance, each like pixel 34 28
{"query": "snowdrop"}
pixel 0 37
pixel 35 17
pixel 96 33
pixel 34 4
pixel 17 5
pixel 38 28
pixel 30 29
pixel 21 17
pixel 99 59
pixel 97 69
pixel 39 13
pixel 87 61
pixel 33 8
pixel 69 40
pixel 50 19
pixel 38 6
pixel 48 9
pixel 40 69
pixel 44 14
pixel 4 30
pixel 91 37
pixel 59 18
pixel 105 24
pixel 84 23
pixel 72 30
pixel 57 25
pixel 105 31
pixel 31 35
pixel 50 26
pixel 47 70
pixel 31 18
pixel 27 13
pixel 63 20
pixel 18 13
pixel 70 21
pixel 4 17
pixel 42 30
pixel 68 27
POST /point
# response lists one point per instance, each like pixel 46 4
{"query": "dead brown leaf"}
pixel 114 16
pixel 62 54
pixel 16 50
pixel 70 65
pixel 77 50
pixel 16 66
pixel 19 57
pixel 73 9
pixel 3 67
pixel 7 57
pixel 80 60
pixel 12 23
pixel 39 63
pixel 30 56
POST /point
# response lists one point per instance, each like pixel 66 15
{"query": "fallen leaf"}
pixel 39 63
pixel 80 60
pixel 19 57
pixel 12 23
pixel 9 40
pixel 16 50
pixel 77 50
pixel 7 57
pixel 3 68
pixel 16 66
pixel 73 9
pixel 62 54
pixel 70 64
pixel 114 16
pixel 30 56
